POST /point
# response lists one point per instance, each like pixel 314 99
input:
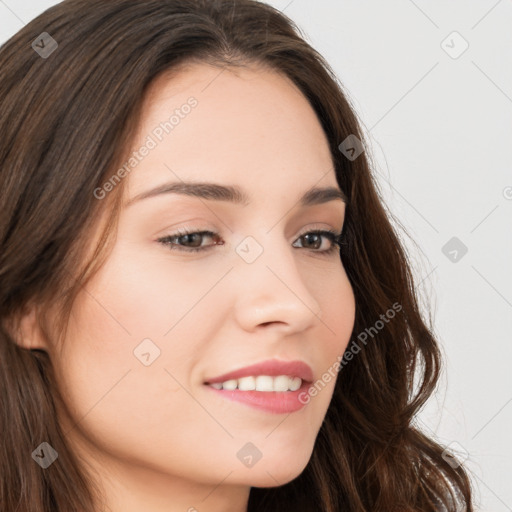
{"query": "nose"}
pixel 273 290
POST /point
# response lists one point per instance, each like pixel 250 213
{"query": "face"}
pixel 159 319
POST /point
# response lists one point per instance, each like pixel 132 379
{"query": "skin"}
pixel 155 437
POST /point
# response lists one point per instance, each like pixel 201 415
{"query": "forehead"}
pixel 247 125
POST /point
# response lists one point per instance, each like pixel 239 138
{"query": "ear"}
pixel 25 330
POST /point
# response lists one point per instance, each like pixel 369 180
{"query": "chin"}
pixel 274 476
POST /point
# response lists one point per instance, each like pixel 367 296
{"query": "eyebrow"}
pixel 234 194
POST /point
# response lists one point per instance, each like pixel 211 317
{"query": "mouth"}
pixel 273 386
pixel 275 395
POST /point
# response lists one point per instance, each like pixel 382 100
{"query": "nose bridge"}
pixel 269 286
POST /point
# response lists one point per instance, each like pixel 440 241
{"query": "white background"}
pixel 440 127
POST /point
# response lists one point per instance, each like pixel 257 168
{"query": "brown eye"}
pixel 188 241
pixel 315 238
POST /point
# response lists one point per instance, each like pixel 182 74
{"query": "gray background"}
pixel 439 121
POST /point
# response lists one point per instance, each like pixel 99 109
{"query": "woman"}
pixel 204 304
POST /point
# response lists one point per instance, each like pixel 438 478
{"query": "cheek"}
pixel 148 295
pixel 122 407
pixel 337 303
pixel 134 313
pixel 134 316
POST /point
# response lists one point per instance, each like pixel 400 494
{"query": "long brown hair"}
pixel 70 106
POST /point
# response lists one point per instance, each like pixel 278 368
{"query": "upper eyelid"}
pixel 193 230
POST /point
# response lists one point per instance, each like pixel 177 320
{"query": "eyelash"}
pixel 335 238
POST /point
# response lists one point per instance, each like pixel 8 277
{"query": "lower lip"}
pixel 277 402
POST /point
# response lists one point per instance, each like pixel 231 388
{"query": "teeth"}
pixel 261 383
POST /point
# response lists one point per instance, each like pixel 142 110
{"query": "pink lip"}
pixel 277 402
pixel 272 367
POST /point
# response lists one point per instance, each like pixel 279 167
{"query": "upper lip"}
pixel 272 367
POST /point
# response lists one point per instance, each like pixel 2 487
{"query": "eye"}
pixel 315 238
pixel 190 241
